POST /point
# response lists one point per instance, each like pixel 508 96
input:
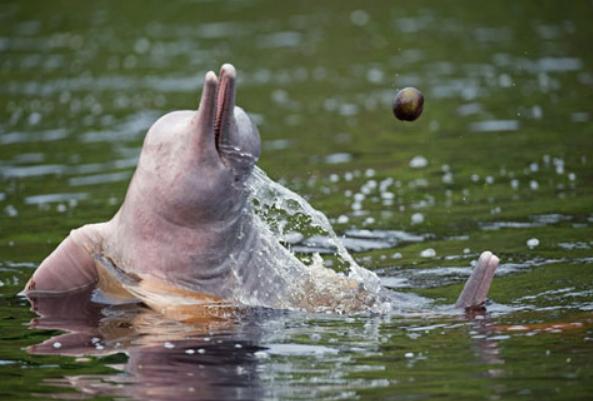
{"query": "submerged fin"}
pixel 476 288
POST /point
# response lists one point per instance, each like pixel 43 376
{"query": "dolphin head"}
pixel 194 164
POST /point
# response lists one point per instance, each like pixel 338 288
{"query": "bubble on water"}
pixel 532 243
pixel 386 183
pixel 547 159
pixel 475 177
pixel 558 165
pixel 11 211
pixel 396 255
pixel 489 180
pixel 537 112
pixel 534 167
pixel 169 345
pixel 375 75
pixel 572 176
pixel 428 253
pixel 190 351
pixel 533 185
pixel 34 118
pixel 359 17
pixel 417 218
pixel 418 162
pixel 447 178
pixel 201 351
pixel 348 109
pixel 334 178
pixel 57 345
pixel 338 158
pixel 515 184
pixel 409 355
pixel 505 81
pixel 261 354
pixel 495 126
pixel 342 219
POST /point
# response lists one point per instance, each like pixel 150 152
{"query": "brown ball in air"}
pixel 408 104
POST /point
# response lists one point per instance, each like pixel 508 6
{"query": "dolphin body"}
pixel 185 234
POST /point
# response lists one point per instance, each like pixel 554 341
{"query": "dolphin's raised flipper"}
pixel 71 266
pixel 477 286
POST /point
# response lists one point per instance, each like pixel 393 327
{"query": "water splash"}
pixel 286 212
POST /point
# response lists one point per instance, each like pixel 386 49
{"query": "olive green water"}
pixel 501 158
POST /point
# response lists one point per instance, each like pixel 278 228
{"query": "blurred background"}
pixel 500 159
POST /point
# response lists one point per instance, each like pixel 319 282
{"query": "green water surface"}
pixel 501 158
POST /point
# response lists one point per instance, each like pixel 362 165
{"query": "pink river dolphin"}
pixel 185 235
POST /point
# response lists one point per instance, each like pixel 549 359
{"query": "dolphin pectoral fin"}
pixel 476 288
pixel 70 267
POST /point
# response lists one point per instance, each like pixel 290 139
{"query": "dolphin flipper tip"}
pixel 476 288
pixel 70 267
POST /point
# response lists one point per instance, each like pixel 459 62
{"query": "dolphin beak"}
pixel 225 103
pixel 215 115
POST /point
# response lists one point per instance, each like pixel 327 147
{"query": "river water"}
pixel 501 159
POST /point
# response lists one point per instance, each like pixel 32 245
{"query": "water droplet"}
pixel 418 162
pixel 417 218
pixel 533 185
pixel 532 243
pixel 515 184
pixel 359 17
pixel 428 253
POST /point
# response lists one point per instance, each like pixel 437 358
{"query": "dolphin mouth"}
pixel 225 102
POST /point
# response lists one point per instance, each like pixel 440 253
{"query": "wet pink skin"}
pixel 183 212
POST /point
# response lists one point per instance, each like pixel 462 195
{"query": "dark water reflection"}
pixel 225 359
pixel 500 160
pixel 164 360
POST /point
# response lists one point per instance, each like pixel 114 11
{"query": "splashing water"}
pixel 284 211
pixel 284 214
